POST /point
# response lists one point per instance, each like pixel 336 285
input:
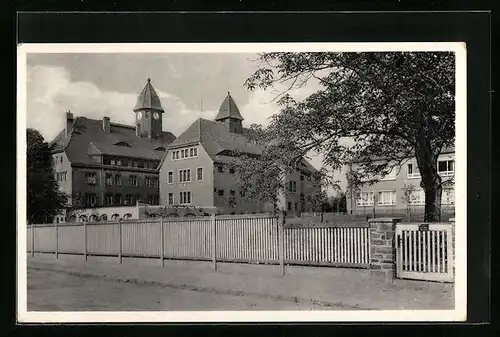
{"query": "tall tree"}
pixel 393 106
pixel 43 195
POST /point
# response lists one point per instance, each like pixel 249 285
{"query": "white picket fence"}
pixel 249 239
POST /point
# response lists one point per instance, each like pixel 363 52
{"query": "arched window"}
pixel 83 218
pixel 104 217
pixel 72 218
pixel 115 217
pixel 93 218
pixel 127 216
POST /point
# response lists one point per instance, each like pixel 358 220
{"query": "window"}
pixel 221 192
pixel 90 178
pixel 141 164
pixel 90 199
pixel 118 162
pixel 386 198
pixel 412 171
pixel 446 167
pixel 191 151
pixel 195 152
pixel 109 179
pixel 231 192
pixel 112 162
pixel 292 186
pixel 417 197
pixel 170 198
pixel 147 181
pixel 289 206
pixel 185 175
pixel 232 170
pixel 118 179
pixel 128 199
pixel 127 216
pixel 61 176
pixel 185 198
pixel 108 200
pixel 170 177
pixel 448 196
pixel 199 174
pixel 151 199
pixel 118 199
pixel 115 217
pixel 242 193
pixel 220 168
pixel 156 182
pixel 132 180
pixel 215 190
pixel 104 217
pixel 296 206
pixel 135 163
pixel 105 160
pixel 301 177
pixel 365 199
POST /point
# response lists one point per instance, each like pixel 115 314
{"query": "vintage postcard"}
pixel 241 182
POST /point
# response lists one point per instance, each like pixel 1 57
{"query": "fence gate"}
pixel 424 252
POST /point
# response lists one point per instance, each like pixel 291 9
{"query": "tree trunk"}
pixel 431 182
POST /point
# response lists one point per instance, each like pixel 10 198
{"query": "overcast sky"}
pixel 189 86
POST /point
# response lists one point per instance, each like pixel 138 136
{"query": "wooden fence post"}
pixel 120 240
pixel 214 241
pixel 85 239
pixel 57 241
pixel 162 243
pixel 281 243
pixel 32 240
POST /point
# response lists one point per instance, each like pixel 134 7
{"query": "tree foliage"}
pixel 391 106
pixel 44 200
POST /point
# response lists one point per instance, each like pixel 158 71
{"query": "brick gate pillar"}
pixel 383 247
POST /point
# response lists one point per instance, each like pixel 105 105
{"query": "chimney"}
pixel 69 123
pixel 105 124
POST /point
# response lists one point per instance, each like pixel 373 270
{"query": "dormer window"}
pixel 122 144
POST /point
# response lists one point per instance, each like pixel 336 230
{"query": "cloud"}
pixel 51 92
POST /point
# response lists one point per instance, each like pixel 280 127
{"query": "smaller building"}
pixel 388 197
pixel 197 168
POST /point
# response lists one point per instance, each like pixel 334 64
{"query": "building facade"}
pixel 388 196
pixel 98 163
pixel 196 170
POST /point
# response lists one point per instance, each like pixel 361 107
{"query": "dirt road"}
pixel 59 291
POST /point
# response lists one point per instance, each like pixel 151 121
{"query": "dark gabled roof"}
pixel 88 138
pixel 228 109
pixel 215 138
pixel 148 99
pixel 218 141
pixel 59 142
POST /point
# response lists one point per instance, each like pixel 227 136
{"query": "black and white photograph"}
pixel 240 182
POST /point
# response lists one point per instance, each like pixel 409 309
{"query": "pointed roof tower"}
pixel 228 109
pixel 148 99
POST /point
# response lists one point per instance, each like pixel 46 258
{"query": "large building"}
pixel 99 163
pixel 197 172
pixel 387 196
